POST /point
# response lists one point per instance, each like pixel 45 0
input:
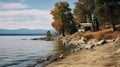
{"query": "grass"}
pixel 99 35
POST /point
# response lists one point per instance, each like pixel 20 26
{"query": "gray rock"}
pixel 97 44
pixel 46 58
pixel 89 46
pixel 100 43
pixel 40 60
pixel 61 56
pixel 76 50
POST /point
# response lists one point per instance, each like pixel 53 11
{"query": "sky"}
pixel 28 14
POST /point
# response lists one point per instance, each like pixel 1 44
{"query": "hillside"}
pixel 24 31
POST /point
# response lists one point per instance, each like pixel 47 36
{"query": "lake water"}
pixel 15 52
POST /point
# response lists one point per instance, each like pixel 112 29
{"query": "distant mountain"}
pixel 25 31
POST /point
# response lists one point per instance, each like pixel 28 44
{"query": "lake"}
pixel 16 51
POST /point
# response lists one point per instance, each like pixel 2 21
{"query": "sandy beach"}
pixel 107 55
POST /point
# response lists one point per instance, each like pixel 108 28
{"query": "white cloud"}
pixel 32 19
pixel 12 6
pixel 31 12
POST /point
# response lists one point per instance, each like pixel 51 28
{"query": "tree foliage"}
pixel 97 11
pixel 83 11
pixel 62 18
pixel 107 11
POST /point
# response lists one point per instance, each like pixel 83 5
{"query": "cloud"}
pixel 31 12
pixel 32 19
pixel 13 6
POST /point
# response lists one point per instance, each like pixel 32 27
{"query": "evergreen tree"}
pixel 83 10
pixel 108 11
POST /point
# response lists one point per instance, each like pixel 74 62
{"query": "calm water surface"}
pixel 14 51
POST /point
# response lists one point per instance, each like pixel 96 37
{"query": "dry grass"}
pixel 102 34
pixel 77 35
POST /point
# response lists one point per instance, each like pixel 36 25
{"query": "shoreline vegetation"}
pixel 78 44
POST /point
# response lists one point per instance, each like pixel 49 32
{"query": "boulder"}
pixel 65 42
pixel 72 43
pixel 89 46
pixel 117 40
pixel 45 58
pixel 109 41
pixel 76 50
pixel 82 41
pixel 61 56
pixel 100 43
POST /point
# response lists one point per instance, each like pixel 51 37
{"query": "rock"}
pixel 118 51
pixel 74 43
pixel 39 60
pixel 92 42
pixel 61 56
pixel 82 41
pixel 65 42
pixel 46 58
pixel 97 44
pixel 71 42
pixel 89 46
pixel 109 41
pixel 100 43
pixel 117 40
pixel 76 50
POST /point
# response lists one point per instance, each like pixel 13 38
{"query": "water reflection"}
pixel 59 47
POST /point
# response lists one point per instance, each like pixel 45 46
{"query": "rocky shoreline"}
pixel 73 45
pixel 83 44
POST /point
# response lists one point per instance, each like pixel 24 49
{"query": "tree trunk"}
pixel 113 25
pixel 63 31
pixel 112 20
pixel 97 24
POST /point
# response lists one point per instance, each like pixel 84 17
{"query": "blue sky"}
pixel 30 14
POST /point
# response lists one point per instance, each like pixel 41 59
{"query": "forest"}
pixel 100 13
